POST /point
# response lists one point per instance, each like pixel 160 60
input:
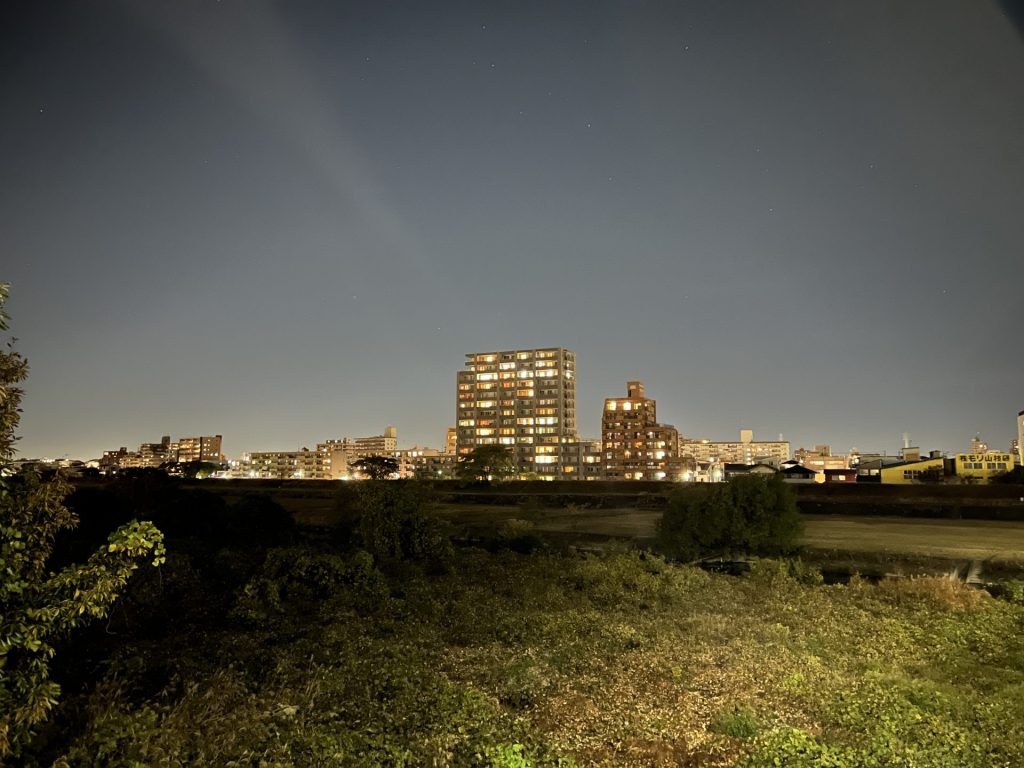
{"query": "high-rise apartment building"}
pixel 636 446
pixel 524 399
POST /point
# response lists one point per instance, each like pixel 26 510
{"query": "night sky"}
pixel 287 222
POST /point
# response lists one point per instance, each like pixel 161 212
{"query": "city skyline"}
pixel 279 222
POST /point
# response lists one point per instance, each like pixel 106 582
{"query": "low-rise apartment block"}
pixel 746 450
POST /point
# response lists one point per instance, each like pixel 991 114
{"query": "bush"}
pixel 748 515
pixel 395 522
pixel 737 722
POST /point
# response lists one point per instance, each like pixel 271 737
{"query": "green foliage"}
pixel 748 514
pixel 737 722
pixel 794 748
pixel 38 607
pixel 777 573
pixel 519 536
pixel 297 580
pixel 397 522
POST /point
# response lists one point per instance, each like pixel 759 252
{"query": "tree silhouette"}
pixel 375 467
pixel 486 462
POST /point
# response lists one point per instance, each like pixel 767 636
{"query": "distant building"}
pixel 908 472
pixel 203 448
pixel 154 455
pixel 746 451
pixel 840 475
pixel 111 460
pixel 635 445
pixel 799 474
pixel 821 458
pixel 982 467
pixel 1020 438
pixel 869 465
pixel 420 463
pixel 587 457
pixel 525 400
pixel 328 461
pixel 303 464
pixel 732 470
pixel 978 445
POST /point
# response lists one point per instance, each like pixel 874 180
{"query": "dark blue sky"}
pixel 286 222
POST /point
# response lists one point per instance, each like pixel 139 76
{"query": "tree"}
pixel 486 462
pixel 747 515
pixel 375 467
pixel 38 607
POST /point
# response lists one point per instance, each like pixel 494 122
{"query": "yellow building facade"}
pixel 911 472
pixel 982 467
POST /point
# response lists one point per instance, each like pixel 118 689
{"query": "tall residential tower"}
pixel 524 399
pixel 635 445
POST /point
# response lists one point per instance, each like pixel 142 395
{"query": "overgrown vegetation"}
pixel 387 647
pixel 38 605
pixel 748 514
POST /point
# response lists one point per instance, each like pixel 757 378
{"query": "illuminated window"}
pixel 484 403
pixel 486 376
pixel 507 366
pixel 524 421
pixel 524 393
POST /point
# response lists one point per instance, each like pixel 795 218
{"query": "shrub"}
pixel 395 522
pixel 737 722
pixel 518 535
pixel 931 591
pixel 748 514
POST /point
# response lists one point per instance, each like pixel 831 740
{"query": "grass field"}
pixel 876 535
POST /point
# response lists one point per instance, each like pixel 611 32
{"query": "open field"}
pixel 968 539
pixel 953 539
pixel 878 528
